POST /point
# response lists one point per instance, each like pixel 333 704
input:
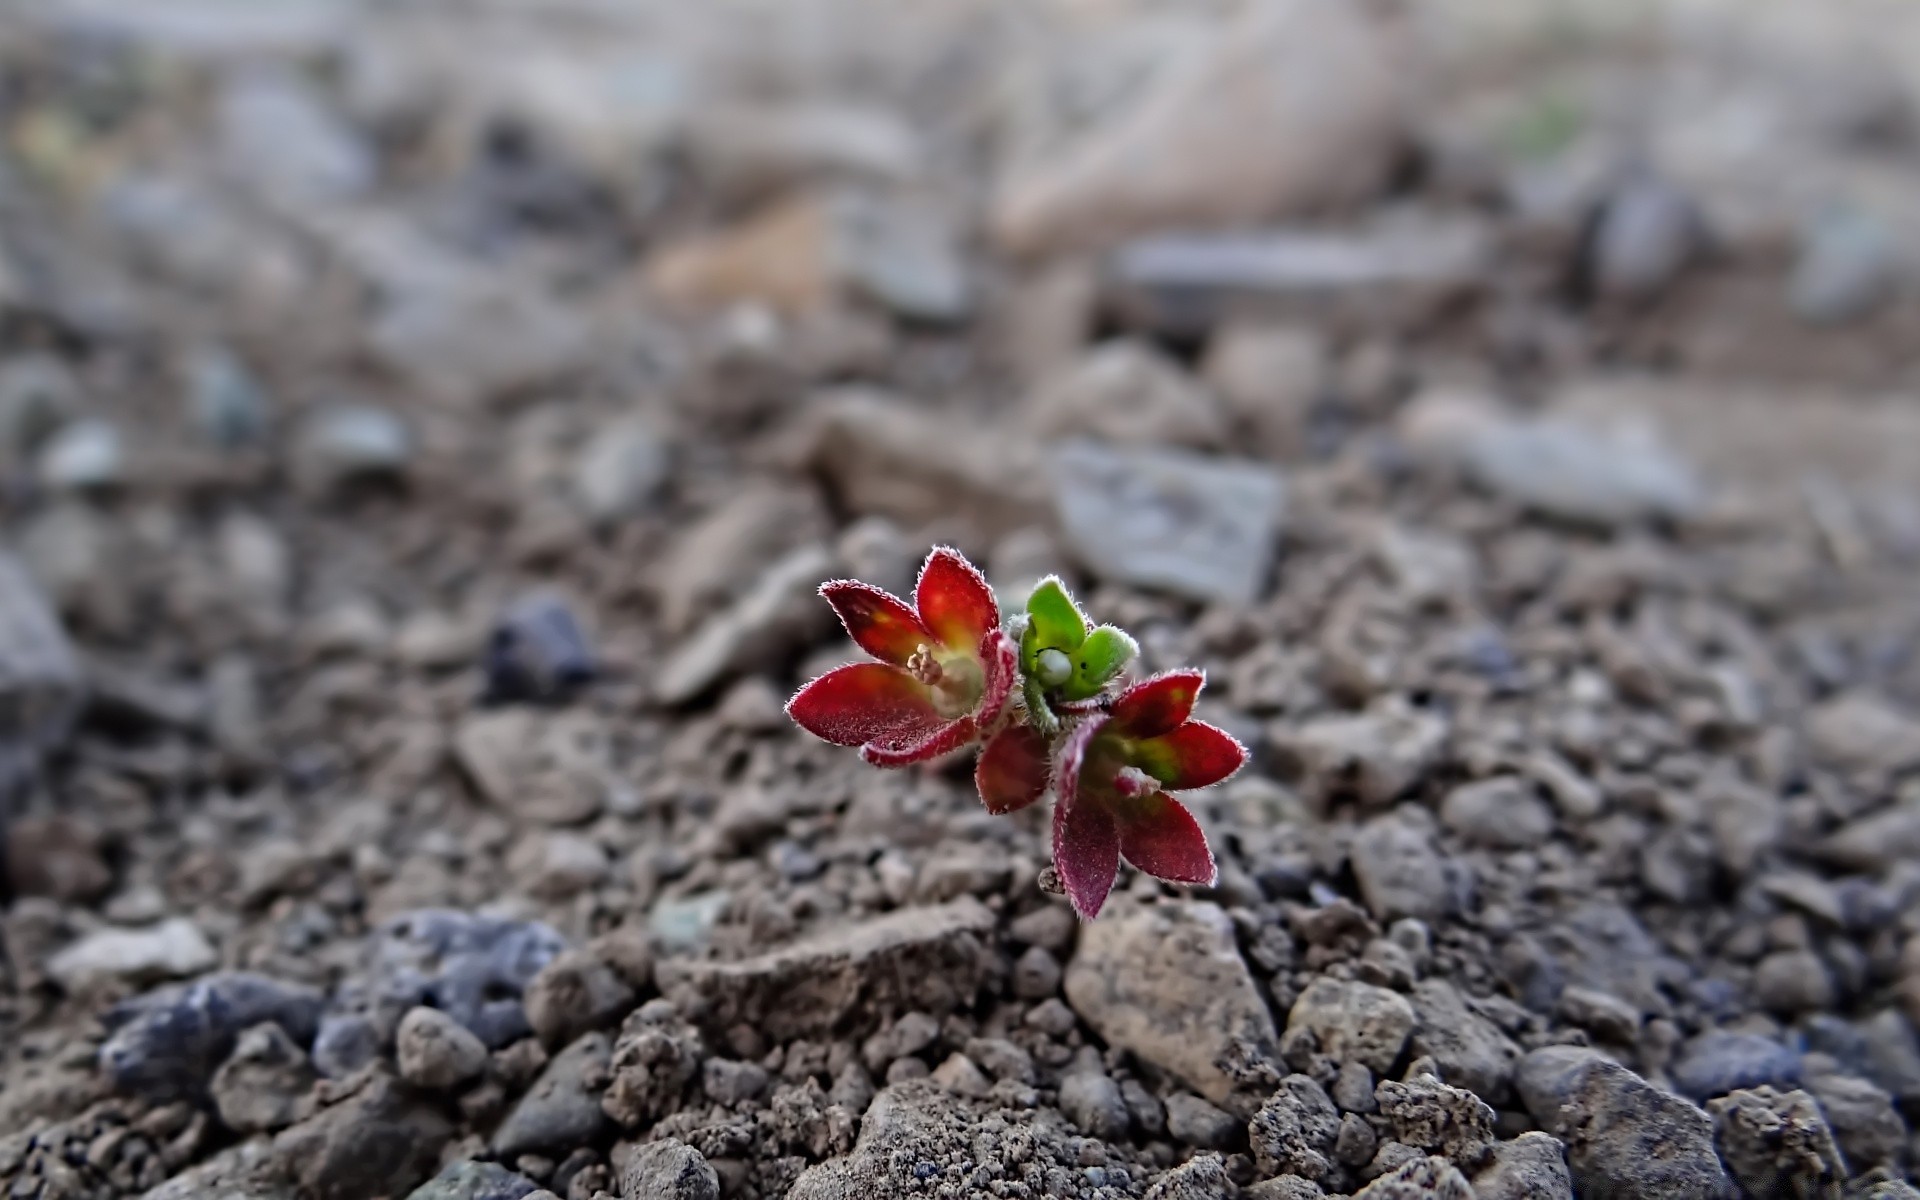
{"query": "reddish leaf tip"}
pixel 1157 704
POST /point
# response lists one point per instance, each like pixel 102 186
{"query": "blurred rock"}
pixel 473 968
pixel 1402 874
pixel 436 1052
pixel 1373 756
pixel 225 402
pixel 538 651
pixel 194 235
pixel 718 555
pixel 1325 84
pixel 379 1139
pixel 1092 1101
pixel 86 456
pixel 469 341
pixel 1777 1144
pixel 551 769
pixel 780 614
pixel 1201 528
pixel 621 467
pixel 1647 233
pixel 1501 812
pixel 668 1169
pixel 1269 376
pixel 345 444
pixel 1846 267
pixel 557 865
pixel 170 950
pixel 562 1108
pixel 1168 985
pixel 260 1086
pixel 747 152
pixel 1532 1166
pixel 38 394
pixel 1623 1135
pixel 278 135
pixel 574 994
pixel 1718 1061
pixel 1858 731
pixel 57 856
pixel 1126 392
pixel 467 1179
pixel 1351 1022
pixel 166 1043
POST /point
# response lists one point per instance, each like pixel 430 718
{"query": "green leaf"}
pixel 1056 620
pixel 1039 712
pixel 1103 655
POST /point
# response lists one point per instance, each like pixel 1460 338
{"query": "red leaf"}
pixel 1086 852
pixel 1000 664
pixel 1195 755
pixel 902 752
pixel 880 622
pixel 955 603
pixel 1157 705
pixel 1159 836
pixel 1013 769
pixel 865 702
pixel 1073 757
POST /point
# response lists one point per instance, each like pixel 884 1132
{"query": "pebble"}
pixel 1373 756
pixel 1168 985
pixel 1092 1101
pixel 1628 1137
pixel 1532 1166
pixel 1036 974
pixel 1501 813
pixel 465 1179
pixel 1125 392
pixel 537 650
pixel 1790 982
pixel 1863 1118
pixel 668 1169
pixel 1269 378
pixel 225 402
pixel 1431 1178
pixel 1845 268
pixel 1602 1014
pixel 379 1139
pixel 1167 520
pixel 548 768
pixel 173 949
pixel 1581 474
pixel 85 456
pixel 277 133
pixel 962 1076
pixel 681 925
pixel 1777 1143
pixel 558 864
pixel 1351 1021
pixel 1860 731
pixel 1647 234
pixel 471 341
pixel 1402 874
pixel 562 1108
pixel 38 394
pixel 778 613
pixel 1295 1130
pixel 42 685
pixel 1320 79
pixel 56 856
pixel 1470 1051
pixel 345 444
pixel 436 1052
pixel 728 1082
pixel 167 1042
pixel 620 469
pixel 574 994
pixel 1194 1122
pixel 1717 1062
pixel 749 151
pixel 473 968
pixel 260 1086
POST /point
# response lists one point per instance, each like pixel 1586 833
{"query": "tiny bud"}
pixel 1133 782
pixel 1053 668
pixel 1048 881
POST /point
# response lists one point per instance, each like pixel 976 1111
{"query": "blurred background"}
pixel 424 423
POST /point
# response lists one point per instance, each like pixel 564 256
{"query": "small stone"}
pixel 562 1108
pixel 260 1086
pixel 681 925
pixel 1051 928
pixel 1401 873
pixel 551 769
pixel 538 651
pixel 1036 974
pixel 962 1076
pixel 1421 1179
pixel 85 456
pixel 558 865
pixel 1532 1166
pixel 473 967
pixel 1790 982
pixel 728 1082
pixel 345 444
pixel 225 402
pixel 466 1179
pixel 1501 813
pixel 1858 731
pixel 1647 233
pixel 620 469
pixel 377 1140
pixel 277 133
pixel 1092 1101
pixel 1352 1021
pixel 1269 377
pixel 38 394
pixel 436 1052
pixel 1624 1136
pixel 56 856
pixel 1374 756
pixel 1847 266
pixel 1602 1014
pixel 1471 1051
pixel 1203 528
pixel 41 682
pixel 1295 1130
pixel 1126 393
pixel 574 994
pixel 1202 1177
pixel 1167 984
pixel 748 151
pixel 170 950
pixel 1777 1144
pixel 1718 1062
pixel 668 1170
pixel 166 1043
pixel 1862 1116
pixel 1353 1088
pixel 1284 1187
pixel 778 613
pixel 1194 1122
pixel 469 340
pixel 1438 1118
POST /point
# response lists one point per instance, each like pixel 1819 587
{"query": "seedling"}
pixel 1048 699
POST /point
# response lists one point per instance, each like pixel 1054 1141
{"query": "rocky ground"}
pixel 423 426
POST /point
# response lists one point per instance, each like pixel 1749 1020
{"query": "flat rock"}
pixel 1863 732
pixel 931 958
pixel 1402 873
pixel 777 615
pixel 1471 1051
pixel 1126 392
pixel 467 1179
pixel 1352 1022
pixel 42 686
pixel 170 950
pixel 378 1139
pixel 562 1108
pixel 1624 1137
pixel 1167 984
pixel 1203 528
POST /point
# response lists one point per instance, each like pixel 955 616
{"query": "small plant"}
pixel 1049 699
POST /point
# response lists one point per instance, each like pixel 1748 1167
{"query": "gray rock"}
pixel 436 1052
pixel 1202 1177
pixel 466 1179
pixel 1420 1179
pixel 1598 945
pixel 1602 1014
pixel 345 444
pixel 1862 1117
pixel 1167 984
pixel 378 1139
pixel 1374 756
pixel 85 456
pixel 1501 813
pixel 1604 477
pixel 473 968
pixel 777 614
pixel 1438 1118
pixel 260 1086
pixel 1092 1101
pixel 1790 982
pixel 537 650
pixel 932 958
pixel 1777 1144
pixel 1647 233
pixel 1284 1187
pixel 38 394
pixel 1355 1022
pixel 1718 1062
pixel 1194 1122
pixel 166 1043
pixel 1847 266
pixel 1036 974
pixel 1532 1166
pixel 575 993
pixel 620 468
pixel 1402 874
pixel 42 687
pixel 562 1108
pixel 728 1082
pixel 170 950
pixel 1269 377
pixel 962 1076
pixel 279 135
pixel 1125 392
pixel 681 925
pixel 902 257
pixel 57 856
pixel 1624 1137
pixel 549 768
pixel 1294 1131
pixel 348 1041
pixel 748 151
pixel 1859 731
pixel 668 1170
pixel 469 341
pixel 1470 1050
pixel 1202 528
pixel 227 405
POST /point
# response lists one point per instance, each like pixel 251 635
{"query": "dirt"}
pixel 423 428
